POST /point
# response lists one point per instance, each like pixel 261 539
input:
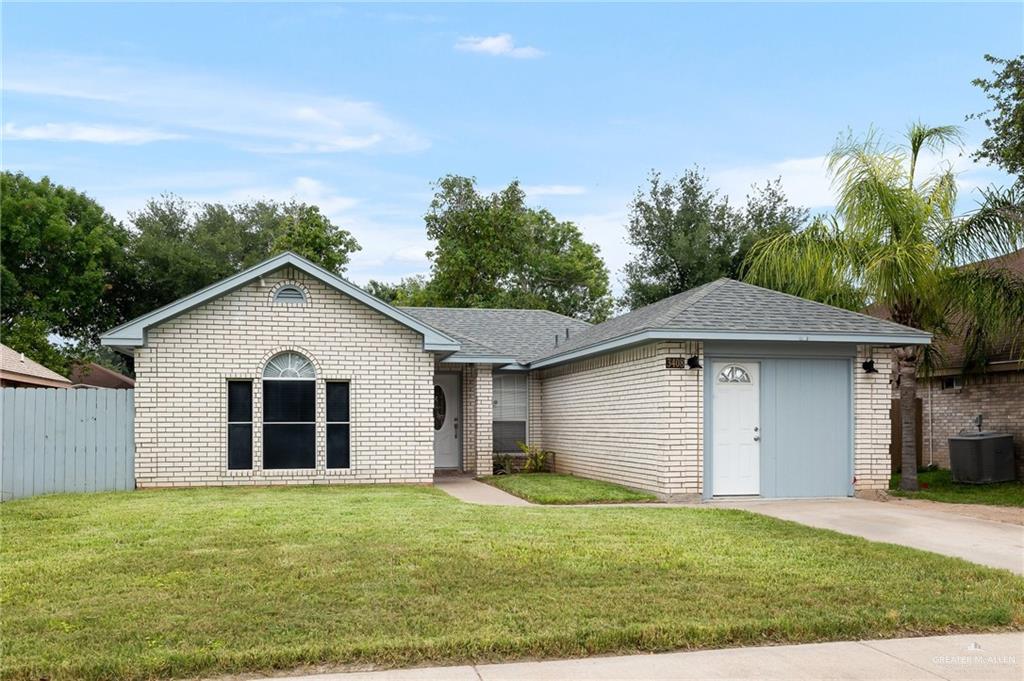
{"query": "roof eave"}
pixel 668 334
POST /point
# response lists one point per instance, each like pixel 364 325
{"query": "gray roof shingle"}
pixel 520 334
pixel 726 305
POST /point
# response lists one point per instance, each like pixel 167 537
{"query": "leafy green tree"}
pixel 411 291
pixel 63 269
pixel 1005 146
pixel 896 243
pixel 685 234
pixel 494 251
pixel 181 247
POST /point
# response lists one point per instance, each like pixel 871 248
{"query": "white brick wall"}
pixel 182 373
pixel 624 417
pixel 478 426
pixel 872 396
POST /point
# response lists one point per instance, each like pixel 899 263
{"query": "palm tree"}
pixel 896 244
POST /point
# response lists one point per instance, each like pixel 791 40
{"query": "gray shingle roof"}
pixel 727 306
pixel 520 334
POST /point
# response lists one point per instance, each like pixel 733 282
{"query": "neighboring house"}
pixel 93 375
pixel 17 371
pixel 954 395
pixel 286 373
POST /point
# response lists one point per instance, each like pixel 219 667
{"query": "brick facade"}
pixel 872 395
pixel 623 417
pixel 478 424
pixel 182 374
pixel 997 396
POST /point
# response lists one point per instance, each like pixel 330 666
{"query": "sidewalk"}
pixel 472 491
pixel 982 656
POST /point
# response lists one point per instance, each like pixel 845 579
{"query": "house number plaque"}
pixel 675 362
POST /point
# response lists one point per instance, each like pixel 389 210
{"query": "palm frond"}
pixel 987 304
pixel 935 138
pixel 869 181
pixel 995 228
pixel 819 263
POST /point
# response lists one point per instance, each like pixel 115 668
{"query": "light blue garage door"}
pixel 806 416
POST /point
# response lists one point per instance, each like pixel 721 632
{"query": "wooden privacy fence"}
pixel 66 440
pixel 896 435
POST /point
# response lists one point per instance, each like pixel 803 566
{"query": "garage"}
pixel 779 421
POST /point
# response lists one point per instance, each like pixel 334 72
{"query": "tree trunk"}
pixel 908 402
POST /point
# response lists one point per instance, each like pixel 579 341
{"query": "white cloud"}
pixel 501 45
pixel 539 190
pixel 245 116
pixel 76 132
pixel 805 180
pixel 807 183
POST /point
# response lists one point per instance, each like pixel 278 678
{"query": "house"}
pixel 18 371
pixel 954 394
pixel 286 373
pixel 93 375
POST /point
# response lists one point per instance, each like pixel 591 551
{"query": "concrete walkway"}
pixel 475 492
pixel 987 542
pixel 982 656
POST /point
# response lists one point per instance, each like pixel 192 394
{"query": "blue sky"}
pixel 359 107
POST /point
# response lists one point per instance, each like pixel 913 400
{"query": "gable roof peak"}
pixel 133 333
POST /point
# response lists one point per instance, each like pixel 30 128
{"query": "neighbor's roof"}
pixel 731 310
pixel 98 376
pixel 1008 350
pixel 14 366
pixel 133 334
pixel 513 335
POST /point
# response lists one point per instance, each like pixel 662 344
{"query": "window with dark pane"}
pixel 289 412
pixel 240 425
pixel 338 425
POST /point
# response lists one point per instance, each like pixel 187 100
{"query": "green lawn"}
pixel 938 485
pixel 556 488
pixel 176 583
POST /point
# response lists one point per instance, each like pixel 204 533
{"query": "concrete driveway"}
pixel 987 542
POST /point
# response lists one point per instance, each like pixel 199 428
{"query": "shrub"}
pixel 536 458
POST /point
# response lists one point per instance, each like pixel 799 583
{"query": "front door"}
pixel 736 458
pixel 447 402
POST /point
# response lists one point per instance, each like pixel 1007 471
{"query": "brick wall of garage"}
pixel 625 418
pixel 182 374
pixel 872 395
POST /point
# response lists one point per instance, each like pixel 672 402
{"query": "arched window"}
pixel 733 374
pixel 289 295
pixel 289 365
pixel 289 412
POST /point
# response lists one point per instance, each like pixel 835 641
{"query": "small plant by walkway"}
pixel 557 488
pixel 200 582
pixel 938 485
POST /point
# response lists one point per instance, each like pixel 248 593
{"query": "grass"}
pixel 938 485
pixel 556 488
pixel 175 583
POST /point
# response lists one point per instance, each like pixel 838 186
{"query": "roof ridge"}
pixel 696 295
pixel 495 309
